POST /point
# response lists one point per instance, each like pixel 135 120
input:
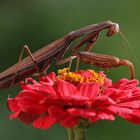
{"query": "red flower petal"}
pixel 133 117
pixel 64 88
pixel 63 117
pixel 48 79
pixel 133 104
pixel 119 110
pixel 117 94
pixel 44 122
pixel 84 113
pixel 27 118
pixel 91 90
pixel 103 116
pixel 125 84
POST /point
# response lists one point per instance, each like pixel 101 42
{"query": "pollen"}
pixel 81 76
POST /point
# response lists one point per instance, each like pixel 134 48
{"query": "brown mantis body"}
pixel 40 60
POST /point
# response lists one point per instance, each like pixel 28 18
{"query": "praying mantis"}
pixel 39 61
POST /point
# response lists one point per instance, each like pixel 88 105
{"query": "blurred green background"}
pixel 39 22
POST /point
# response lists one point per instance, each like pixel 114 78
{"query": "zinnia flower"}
pixel 74 96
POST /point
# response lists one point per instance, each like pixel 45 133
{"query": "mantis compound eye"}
pixel 114 28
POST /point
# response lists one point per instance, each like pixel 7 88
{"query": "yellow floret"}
pixel 77 78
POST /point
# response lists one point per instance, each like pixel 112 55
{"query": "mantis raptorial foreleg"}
pixel 105 61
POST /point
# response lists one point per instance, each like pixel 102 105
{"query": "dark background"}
pixel 39 22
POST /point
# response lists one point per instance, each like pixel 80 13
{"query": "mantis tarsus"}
pixel 40 60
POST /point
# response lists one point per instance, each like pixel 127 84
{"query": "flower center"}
pixel 81 76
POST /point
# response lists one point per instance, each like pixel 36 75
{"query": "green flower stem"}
pixel 80 133
pixel 71 134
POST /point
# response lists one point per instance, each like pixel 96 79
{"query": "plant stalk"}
pixel 71 135
pixel 80 133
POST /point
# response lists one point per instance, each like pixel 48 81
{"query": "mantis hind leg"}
pixel 24 48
